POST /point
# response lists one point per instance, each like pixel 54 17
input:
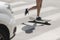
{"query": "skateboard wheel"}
pixel 47 23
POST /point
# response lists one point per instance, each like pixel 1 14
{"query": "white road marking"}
pixel 18 3
pixel 42 10
pixel 50 35
pixel 2 3
pixel 53 17
pixel 19 28
pixel 22 7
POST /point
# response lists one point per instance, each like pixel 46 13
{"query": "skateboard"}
pixel 43 21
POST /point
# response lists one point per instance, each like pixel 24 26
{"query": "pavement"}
pixel 50 10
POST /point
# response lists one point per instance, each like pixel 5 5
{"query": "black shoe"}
pixel 38 18
pixel 26 11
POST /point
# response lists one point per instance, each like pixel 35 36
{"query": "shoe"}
pixel 26 11
pixel 38 18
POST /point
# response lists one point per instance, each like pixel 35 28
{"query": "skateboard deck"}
pixel 45 23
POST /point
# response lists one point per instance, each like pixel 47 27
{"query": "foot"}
pixel 38 18
pixel 26 11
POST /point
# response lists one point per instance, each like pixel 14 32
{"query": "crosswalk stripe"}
pixel 43 10
pixel 50 35
pixel 22 7
pixel 53 17
pixel 2 2
pixel 17 3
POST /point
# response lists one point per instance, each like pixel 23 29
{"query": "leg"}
pixel 27 10
pixel 39 4
pixel 34 7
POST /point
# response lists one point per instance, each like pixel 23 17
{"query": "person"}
pixel 38 7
